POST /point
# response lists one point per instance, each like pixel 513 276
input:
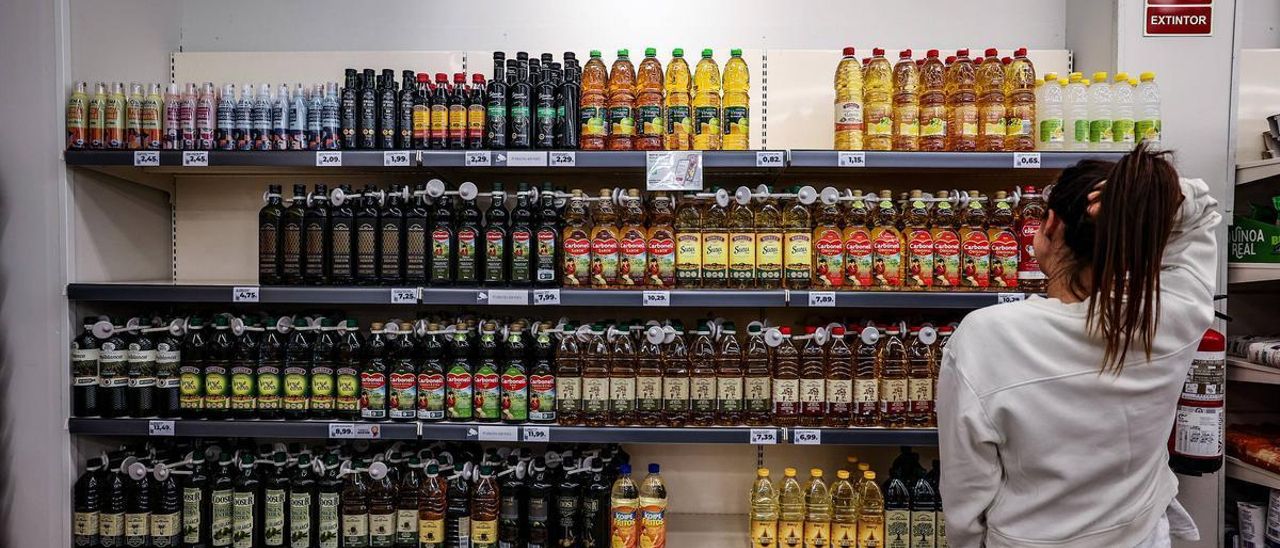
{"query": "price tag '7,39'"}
pixel 806 436
pixel 244 294
pixel 764 436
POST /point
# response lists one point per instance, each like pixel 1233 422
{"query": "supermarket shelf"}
pixel 189 428
pixel 570 159
pixel 1252 172
pixel 218 293
pixel 588 434
pixel 1244 273
pixel 941 160
pixel 241 158
pixel 1241 370
pixel 707 530
pixel 901 299
pixel 604 297
pixel 863 436
pixel 1244 471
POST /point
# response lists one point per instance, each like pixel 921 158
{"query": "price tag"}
pixel 506 297
pixel 244 294
pixel 657 298
pixel 160 428
pixel 349 431
pixel 329 159
pixel 405 295
pixel 673 170
pixel 546 296
pixel 195 158
pixel 563 159
pixel 145 158
pixel 478 158
pixel 536 434
pixel 498 433
pixel 851 159
pixel 395 158
pixel 1026 160
pixel 822 298
pixel 764 436
pixel 1010 297
pixel 806 436
pixel 769 158
pixel 526 158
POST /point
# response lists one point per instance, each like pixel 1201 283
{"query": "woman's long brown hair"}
pixel 1124 244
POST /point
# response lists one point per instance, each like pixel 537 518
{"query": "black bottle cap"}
pixel 273 189
pixel 350 72
pixel 388 73
pixel 299 190
pixel 522 56
pixel 499 56
pixel 547 58
pixel 322 190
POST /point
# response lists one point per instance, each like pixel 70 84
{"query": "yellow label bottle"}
pixel 737 103
pixel 707 133
pixel 715 247
pixel 790 533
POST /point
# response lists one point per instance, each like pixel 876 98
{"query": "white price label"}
pixel 349 431
pixel 329 159
pixel 477 159
pixel 563 159
pixel 395 158
pixel 536 434
pixel 769 158
pixel 143 158
pixel 807 436
pixel 498 433
pixel 526 158
pixel 195 158
pixel 1026 160
pixel 822 298
pixel 160 428
pixel 764 436
pixel 851 159
pixel 244 294
pixel 1010 297
pixel 404 295
pixel 506 297
pixel 546 296
pixel 657 298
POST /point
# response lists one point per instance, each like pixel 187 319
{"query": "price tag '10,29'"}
pixel 657 298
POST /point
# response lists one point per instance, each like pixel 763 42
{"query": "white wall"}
pixel 1261 24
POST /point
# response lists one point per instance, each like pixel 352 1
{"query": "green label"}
pixel 192 504
pixel 1081 131
pixel 497 112
pixel 216 387
pixel 458 392
pixel 1100 131
pixel 190 387
pixel 706 121
pixel 1148 129
pixel 649 394
pixel 651 122
pixel 702 394
pixel 242 385
pixel 84 366
pixel 592 119
pixel 1122 130
pixel 495 256
pixel 268 387
pixel 521 255
pixel 595 395
pixel 467 254
pixel 295 389
pixel 242 522
pixel 1015 126
pixel 515 393
pixel 622 121
pixel 735 120
pixel 519 115
pixel 487 393
pixel 347 387
pixel 679 118
pixel 321 387
pixel 1051 130
pixel 441 254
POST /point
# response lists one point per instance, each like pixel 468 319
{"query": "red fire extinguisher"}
pixel 1195 445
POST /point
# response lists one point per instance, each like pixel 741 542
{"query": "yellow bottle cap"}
pixel 1099 76
pixel 1049 77
pixel 815 472
pixel 864 466
pixel 1075 76
pixel 1132 82
pixel 762 472
pixel 869 475
pixel 1148 76
pixel 842 474
pixel 851 459
pixel 1122 77
pixel 789 472
pixel 1062 81
pixel 1085 81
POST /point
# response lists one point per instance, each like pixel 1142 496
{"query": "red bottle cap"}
pixel 919 62
pixel 1020 52
pixel 1005 60
pixel 809 329
pixel 951 59
pixel 962 53
pixel 978 61
pixel 424 77
pixel 848 51
pixel 1029 189
pixel 837 331
pixel 946 329
pixel 785 330
pixel 991 52
pixel 878 52
pixel 477 79
pixel 460 78
pixel 442 78
pixel 904 54
pixel 932 53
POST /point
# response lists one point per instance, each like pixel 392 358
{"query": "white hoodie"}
pixel 1041 450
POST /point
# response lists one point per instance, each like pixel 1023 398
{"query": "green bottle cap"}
pixel 622 53
pixel 353 324
pixel 678 52
pixel 736 52
pixel 595 53
pixel 220 321
pixel 706 53
pixel 650 52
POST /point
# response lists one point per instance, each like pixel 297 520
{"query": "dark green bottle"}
pixel 270 365
pixel 297 371
pixel 493 247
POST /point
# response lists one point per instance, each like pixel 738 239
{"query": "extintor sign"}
pixel 1178 18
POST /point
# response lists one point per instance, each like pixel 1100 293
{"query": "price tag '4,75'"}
pixel 244 294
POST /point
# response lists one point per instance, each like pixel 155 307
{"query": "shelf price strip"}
pixel 195 158
pixel 160 428
pixel 763 436
pixel 807 436
pixel 329 159
pixel 351 431
pixel 535 434
pixel 245 294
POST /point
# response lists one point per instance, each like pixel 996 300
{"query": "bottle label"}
pixel 273 502
pixel 484 533
pixel 622 525
pixel 1004 259
pixel 604 257
pixel 545 256
pixel 164 529
pixel 192 505
pixel 441 255
pixel 136 529
pixel 321 387
pixel 1100 131
pixel 577 258
pixel 702 394
pixel 679 120
pixel 933 122
pixel 190 388
pixel 355 530
pixel 1122 130
pixel 622 121
pixel 839 397
pixel 688 255
pixel 1148 130
pixel 897 528
pixel 242 388
pixel 406 527
pixel 887 269
pixel 113 367
pixel 403 403
pixel 299 520
pixel 715 255
pixel 347 388
pixel 924 532
pixel 495 255
pixel 167 361
pixel 622 394
pixel 653 525
pixel 758 396
pixel 1051 131
pixel 729 393
pixel 975 259
pixel 521 255
pixel 817 534
pixel 457 123
pixel 675 394
pixel 919 258
pixel 946 263
pixel 1028 266
pixel 459 396
pixel 858 258
pixel 894 396
pixel 431 532
pixel 992 120
pixel 769 256
pixel 651 122
pixel 660 270
pixel 742 256
pixel 84 367
pixel 295 388
pixel 764 534
pixel 736 121
pixel 391 248
pixel 215 387
pixel 475 123
pixel 921 393
pixel 366 249
pixel 487 392
pixel 909 129
pixel 1080 131
pixel 421 123
pixel 467 254
pixel 848 116
pixel 879 123
pixel 340 242
pixel 593 121
pixel 242 520
pixel 373 395
pixel 798 256
pixel 112 525
pixel 649 394
pixel 845 535
pixel 866 397
pixel 790 534
pixel 542 398
pixel 941 528
pixel 1198 431
pixel 633 258
pixel 382 530
pixel 829 271
pixel 786 397
pixel 706 121
pixel 328 526
pixel 813 397
pixel 221 519
pixel 431 396
pixel 515 394
pixel 84 524
pixel 569 394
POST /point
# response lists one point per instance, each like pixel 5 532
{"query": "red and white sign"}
pixel 1178 18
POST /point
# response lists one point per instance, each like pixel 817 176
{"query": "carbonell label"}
pixel 857 259
pixel 887 270
pixel 1004 260
pixel 946 259
pixel 1028 266
pixel 829 268
pixel 920 259
pixel 577 261
pixel 975 259
pixel 631 263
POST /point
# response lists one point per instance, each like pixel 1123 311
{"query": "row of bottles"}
pixel 1078 113
pixel 626 109
pixel 357 496
pixel 853 510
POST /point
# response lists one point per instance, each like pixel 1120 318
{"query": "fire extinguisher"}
pixel 1195 445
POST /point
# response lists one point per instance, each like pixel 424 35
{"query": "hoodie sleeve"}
pixel 969 447
pixel 1190 264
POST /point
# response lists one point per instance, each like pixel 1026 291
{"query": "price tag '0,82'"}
pixel 769 158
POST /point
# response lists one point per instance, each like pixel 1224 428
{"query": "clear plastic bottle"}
pixel 1100 113
pixel 1148 124
pixel 906 103
pixel 848 102
pixel 844 512
pixel 870 511
pixel 894 398
pixel 679 132
pixel 653 510
pixel 737 103
pixel 962 104
pixel 817 518
pixel 991 105
pixel 591 112
pixel 933 104
pixel 729 378
pixel 791 511
pixel 763 501
pixel 1050 114
pixel 1075 109
pixel 1020 116
pixel 1123 103
pixel 877 94
pixel 624 502
pixel 621 106
pixel 650 127
pixel 706 104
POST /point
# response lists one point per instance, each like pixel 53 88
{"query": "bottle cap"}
pixel 735 52
pixel 842 474
pixel 933 53
pixel 653 468
pixel 962 53
pixel 477 79
pixel 1122 77
pixel 595 53
pixel 1020 52
pixel 623 53
pixel 625 469
pixel 815 472
pixel 678 52
pixel 990 52
pixel 849 52
pixel 1099 77
pixel 706 53
pixel 785 330
pixel 1005 60
pixel 442 78
pixel 1051 77
pixel 837 331
pixel 951 59
pixel 424 77
pixel 650 52
pixel 877 52
pixel 809 330
pixel 904 54
pixel 1062 81
pixel 460 78
pixel 869 475
pixel 979 60
pixel 1147 76
pixel 789 472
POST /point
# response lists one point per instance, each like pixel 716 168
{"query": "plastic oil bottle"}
pixel 817 519
pixel 791 511
pixel 786 382
pixel 897 511
pixel 715 245
pixel 632 241
pixel 1050 114
pixel 621 105
pixel 702 378
pixel 962 106
pixel 933 104
pixel 737 102
pixel 991 106
pixel 688 230
pixel 1123 100
pixel 870 512
pixel 652 128
pixel 624 502
pixel 706 104
pixel 1020 83
pixel 828 248
pixel 1148 124
pixel 604 242
pixel 893 367
pixel 848 102
pixel 844 512
pixel 1075 109
pixel 877 93
pixel 764 511
pixel 661 266
pixel 576 241
pixel 919 243
pixel 975 246
pixel 1004 243
pixel 839 380
pixel 742 244
pixel 858 255
pixel 922 365
pixel 653 510
pixel 1100 113
pixel 679 131
pixel 730 378
pixel 886 242
pixel 592 112
pixel 906 103
pixel 758 396
pixel 622 379
pixel 813 380
pixel 866 378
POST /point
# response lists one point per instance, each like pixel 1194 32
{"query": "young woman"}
pixel 1054 413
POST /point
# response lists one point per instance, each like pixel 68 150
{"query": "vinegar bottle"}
pixel 991 108
pixel 737 103
pixel 906 103
pixel 817 518
pixel 702 382
pixel 1148 125
pixel 1100 113
pixel 621 105
pixel 592 110
pixel 892 360
pixel 1122 126
pixel 1021 109
pixel 1050 132
pixel 764 511
pixel 848 102
pixel 786 381
pixel 729 378
pixel 922 366
pixel 813 399
pixel 839 381
pixel 1075 107
pixel 679 130
pixel 652 129
pixel 933 104
pixel 706 104
pixel 962 117
pixel 757 396
pixel 878 95
pixel 791 511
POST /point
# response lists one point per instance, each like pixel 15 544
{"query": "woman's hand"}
pixel 1095 200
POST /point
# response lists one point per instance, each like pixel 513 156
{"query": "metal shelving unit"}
pixel 940 160
pixel 1241 370
pixel 216 293
pixel 1244 471
pixel 233 428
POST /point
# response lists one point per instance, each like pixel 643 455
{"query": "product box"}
pixel 1253 241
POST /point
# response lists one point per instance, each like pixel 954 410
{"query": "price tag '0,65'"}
pixel 1026 160
pixel 160 428
pixel 764 436
pixel 395 158
pixel 349 431
pixel 244 294
pixel 804 436
pixel 195 158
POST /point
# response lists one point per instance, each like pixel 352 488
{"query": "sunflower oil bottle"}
pixel 764 511
pixel 991 108
pixel 877 93
pixel 906 103
pixel 1020 115
pixel 621 105
pixel 591 112
pixel 679 133
pixel 844 512
pixel 737 103
pixel 791 511
pixel 870 512
pixel 933 104
pixel 653 510
pixel 848 102
pixel 962 106
pixel 649 122
pixel 817 517
pixel 706 104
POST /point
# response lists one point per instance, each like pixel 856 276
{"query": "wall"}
pixel 1261 24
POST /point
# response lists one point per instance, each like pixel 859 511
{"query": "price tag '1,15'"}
pixel 851 159
pixel 804 436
